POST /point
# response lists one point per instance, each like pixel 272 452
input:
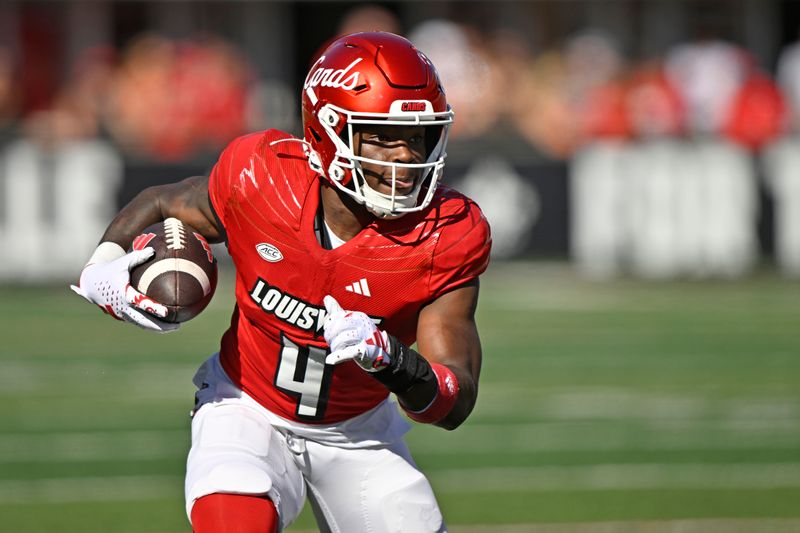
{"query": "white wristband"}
pixel 105 253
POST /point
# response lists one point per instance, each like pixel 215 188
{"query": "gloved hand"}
pixel 353 335
pixel 107 284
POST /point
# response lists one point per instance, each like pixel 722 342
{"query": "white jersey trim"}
pixel 335 240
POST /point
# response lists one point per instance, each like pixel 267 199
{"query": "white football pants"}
pixel 236 450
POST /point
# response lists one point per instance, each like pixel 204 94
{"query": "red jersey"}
pixel 267 198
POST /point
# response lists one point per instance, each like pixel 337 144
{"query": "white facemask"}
pixel 380 204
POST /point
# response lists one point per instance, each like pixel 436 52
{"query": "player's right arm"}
pixel 185 200
pixel 105 279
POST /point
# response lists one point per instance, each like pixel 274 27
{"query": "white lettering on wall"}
pixel 782 173
pixel 664 208
pixel 55 205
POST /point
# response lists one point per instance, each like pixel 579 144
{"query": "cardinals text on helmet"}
pixel 340 78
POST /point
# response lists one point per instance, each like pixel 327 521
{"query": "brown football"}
pixel 182 275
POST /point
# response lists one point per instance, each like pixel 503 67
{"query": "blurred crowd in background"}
pixel 574 124
pixel 156 98
pixel 167 99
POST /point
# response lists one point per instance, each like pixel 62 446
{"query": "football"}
pixel 182 275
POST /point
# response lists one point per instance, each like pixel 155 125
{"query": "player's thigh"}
pixel 235 450
pixel 372 491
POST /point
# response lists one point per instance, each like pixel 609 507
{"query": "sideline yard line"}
pixel 600 435
pixel 90 489
pixel 165 380
pixel 618 476
pixel 93 446
pixel 621 403
pixel 706 525
pixel 593 477
pixel 473 438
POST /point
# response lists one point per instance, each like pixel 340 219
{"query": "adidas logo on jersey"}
pixel 359 287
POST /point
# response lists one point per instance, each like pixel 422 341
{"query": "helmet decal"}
pixel 335 78
pixel 413 106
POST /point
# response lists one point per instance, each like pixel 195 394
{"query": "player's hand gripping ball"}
pixel 106 283
pixel 182 274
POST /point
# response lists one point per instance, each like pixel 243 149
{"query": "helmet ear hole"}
pixel 336 172
pixel 329 117
pixel 314 134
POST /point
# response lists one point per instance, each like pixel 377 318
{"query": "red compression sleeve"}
pixel 234 513
pixel 445 399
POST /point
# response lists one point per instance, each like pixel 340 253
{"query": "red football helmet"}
pixel 374 78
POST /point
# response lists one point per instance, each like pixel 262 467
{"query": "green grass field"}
pixel 616 403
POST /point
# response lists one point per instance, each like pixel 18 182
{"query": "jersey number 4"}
pixel 302 373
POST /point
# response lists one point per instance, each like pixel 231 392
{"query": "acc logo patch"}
pixel 269 252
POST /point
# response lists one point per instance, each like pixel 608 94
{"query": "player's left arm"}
pixel 447 335
pixel 437 384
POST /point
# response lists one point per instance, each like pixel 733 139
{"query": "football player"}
pixel 347 252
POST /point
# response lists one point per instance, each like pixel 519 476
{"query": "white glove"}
pixel 107 284
pixel 353 335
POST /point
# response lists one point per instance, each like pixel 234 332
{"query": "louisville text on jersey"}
pixel 291 309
